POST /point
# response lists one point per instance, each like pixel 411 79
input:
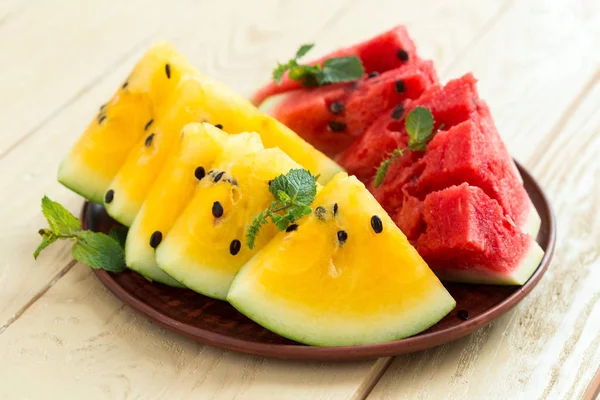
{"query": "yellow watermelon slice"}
pixel 111 160
pixel 205 248
pixel 191 158
pixel 103 147
pixel 345 276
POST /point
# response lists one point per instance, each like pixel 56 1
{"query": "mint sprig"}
pixel 293 192
pixel 95 249
pixel 333 70
pixel 419 126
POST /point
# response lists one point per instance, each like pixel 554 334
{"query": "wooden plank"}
pixel 84 343
pixel 532 64
pixel 233 53
pixel 549 346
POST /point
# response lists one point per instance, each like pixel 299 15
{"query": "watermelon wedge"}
pixel 331 117
pixel 384 52
pixel 451 104
pixel 343 276
pixel 469 239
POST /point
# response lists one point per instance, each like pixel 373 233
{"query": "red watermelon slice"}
pixel 450 105
pixel 331 117
pixel 469 239
pixel 465 153
pixel 387 51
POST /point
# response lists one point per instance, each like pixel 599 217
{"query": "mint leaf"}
pixel 283 197
pixel 279 71
pixel 386 164
pixel 119 233
pixel 92 248
pixel 282 221
pixel 299 212
pixel 61 221
pixel 257 222
pixel 293 193
pixel 342 69
pixel 99 251
pixel 48 237
pixel 419 126
pixel 298 184
pixel 339 69
pixel 305 48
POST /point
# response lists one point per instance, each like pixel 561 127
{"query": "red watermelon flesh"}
pixel 384 52
pixel 464 153
pixel 469 239
pixel 468 153
pixel 450 105
pixel 310 112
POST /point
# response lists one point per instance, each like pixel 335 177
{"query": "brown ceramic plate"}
pixel 218 324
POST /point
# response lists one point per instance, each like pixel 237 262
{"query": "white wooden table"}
pixel 63 335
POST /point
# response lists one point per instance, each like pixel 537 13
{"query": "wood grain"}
pixel 82 342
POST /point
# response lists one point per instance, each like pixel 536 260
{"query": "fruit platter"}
pixel 354 207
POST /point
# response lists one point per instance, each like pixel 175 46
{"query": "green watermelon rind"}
pixel 527 265
pixel 332 331
pixel 76 176
pixel 140 257
pixel 532 223
pixel 200 278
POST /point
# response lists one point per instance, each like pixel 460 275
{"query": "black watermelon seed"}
pixel 218 176
pixel 217 210
pixel 233 181
pixel 220 126
pixel 402 55
pixel 109 196
pixel 148 141
pixel 342 236
pixel 102 107
pixel 335 209
pixel 199 173
pixel 398 111
pixel 102 118
pixel 337 107
pixel 463 314
pixel 400 87
pixel 148 124
pixel 335 126
pixel 320 213
pixel 168 70
pixel 376 224
pixel 291 228
pixel 155 239
pixel 373 74
pixel 125 85
pixel 235 247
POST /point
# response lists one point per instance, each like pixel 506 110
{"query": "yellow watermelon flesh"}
pixel 206 246
pixel 346 276
pixel 104 146
pixel 190 159
pixel 115 138
pixel 130 186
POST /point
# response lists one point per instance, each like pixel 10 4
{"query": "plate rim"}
pixel 345 353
